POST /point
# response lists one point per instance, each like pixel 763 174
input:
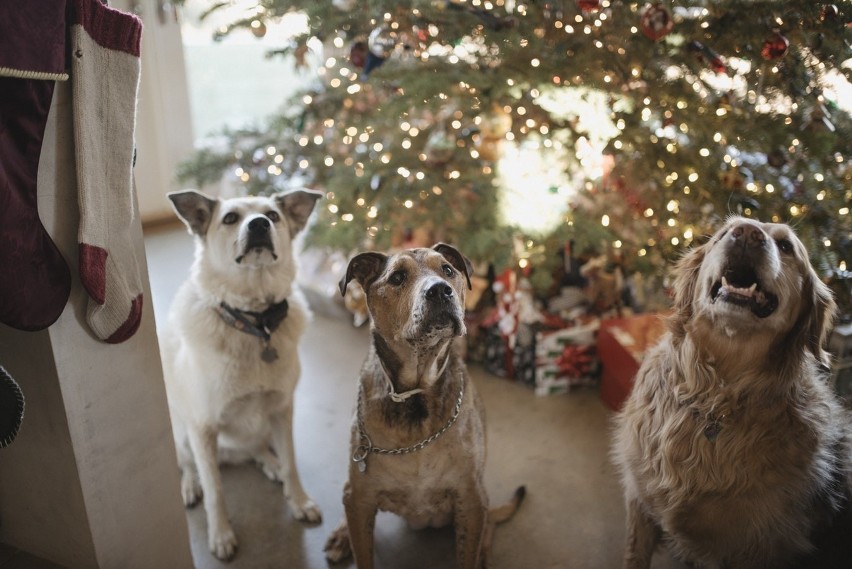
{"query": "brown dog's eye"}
pixel 784 246
pixel 273 216
pixel 448 270
pixel 230 218
pixel 397 278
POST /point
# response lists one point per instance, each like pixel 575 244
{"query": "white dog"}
pixel 229 349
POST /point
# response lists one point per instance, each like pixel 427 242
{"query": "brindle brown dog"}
pixel 418 441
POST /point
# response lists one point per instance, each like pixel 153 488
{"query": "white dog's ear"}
pixel 457 260
pixel 194 209
pixel 364 268
pixel 297 205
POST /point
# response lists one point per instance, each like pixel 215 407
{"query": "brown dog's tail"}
pixel 502 513
pixel 496 516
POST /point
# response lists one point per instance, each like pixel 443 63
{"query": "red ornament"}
pixel 707 56
pixel 775 46
pixel 655 21
pixel 589 6
pixel 358 54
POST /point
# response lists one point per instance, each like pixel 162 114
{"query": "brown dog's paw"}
pixel 338 548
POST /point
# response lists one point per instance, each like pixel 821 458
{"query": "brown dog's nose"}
pixel 439 291
pixel 748 235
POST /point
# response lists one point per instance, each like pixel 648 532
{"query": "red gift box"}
pixel 622 343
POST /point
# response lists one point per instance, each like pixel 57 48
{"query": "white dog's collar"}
pixel 260 324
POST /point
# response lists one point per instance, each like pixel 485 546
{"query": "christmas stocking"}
pixel 11 408
pixel 105 79
pixel 35 280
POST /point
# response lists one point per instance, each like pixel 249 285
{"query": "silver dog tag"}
pixel 361 452
pixel 269 354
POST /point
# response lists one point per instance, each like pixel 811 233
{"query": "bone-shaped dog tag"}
pixel 362 466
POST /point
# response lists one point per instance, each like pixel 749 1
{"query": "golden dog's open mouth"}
pixel 740 286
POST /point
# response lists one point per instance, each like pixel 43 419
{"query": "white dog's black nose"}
pixel 258 225
pixel 439 291
pixel 747 235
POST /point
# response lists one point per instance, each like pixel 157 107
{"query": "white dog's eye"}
pixel 230 218
pixel 784 246
pixel 273 216
pixel 448 270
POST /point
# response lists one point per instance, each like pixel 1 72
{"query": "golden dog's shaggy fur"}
pixel 733 448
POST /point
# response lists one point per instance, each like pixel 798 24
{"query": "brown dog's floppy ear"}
pixel 364 268
pixel 194 209
pixel 457 260
pixel 297 205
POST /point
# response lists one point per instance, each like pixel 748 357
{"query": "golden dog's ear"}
pixel 297 205
pixel 686 279
pixel 194 209
pixel 816 318
pixel 364 268
pixel 461 263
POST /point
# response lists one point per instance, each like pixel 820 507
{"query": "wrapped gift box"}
pixel 566 358
pixel 622 343
pixel 551 356
pixel 840 346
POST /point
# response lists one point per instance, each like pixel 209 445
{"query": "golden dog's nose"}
pixel 746 235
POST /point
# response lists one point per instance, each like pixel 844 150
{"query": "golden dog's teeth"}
pixel 752 288
pixel 724 281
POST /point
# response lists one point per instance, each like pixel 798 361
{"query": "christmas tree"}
pixel 511 127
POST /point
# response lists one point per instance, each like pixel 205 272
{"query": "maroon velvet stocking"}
pixel 34 279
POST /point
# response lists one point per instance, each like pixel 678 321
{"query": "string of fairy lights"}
pixel 722 91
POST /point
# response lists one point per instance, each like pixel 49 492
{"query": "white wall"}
pixel 163 122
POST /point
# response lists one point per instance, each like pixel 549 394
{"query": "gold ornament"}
pixel 493 129
pixel 258 28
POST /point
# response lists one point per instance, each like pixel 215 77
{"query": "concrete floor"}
pixel 573 516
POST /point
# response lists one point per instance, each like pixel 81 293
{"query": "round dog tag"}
pixel 269 354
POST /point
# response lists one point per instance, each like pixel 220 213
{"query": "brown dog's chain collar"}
pixel 366 447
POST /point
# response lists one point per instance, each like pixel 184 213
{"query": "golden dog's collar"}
pixel 365 446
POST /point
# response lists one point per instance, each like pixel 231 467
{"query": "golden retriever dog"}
pixel 733 449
